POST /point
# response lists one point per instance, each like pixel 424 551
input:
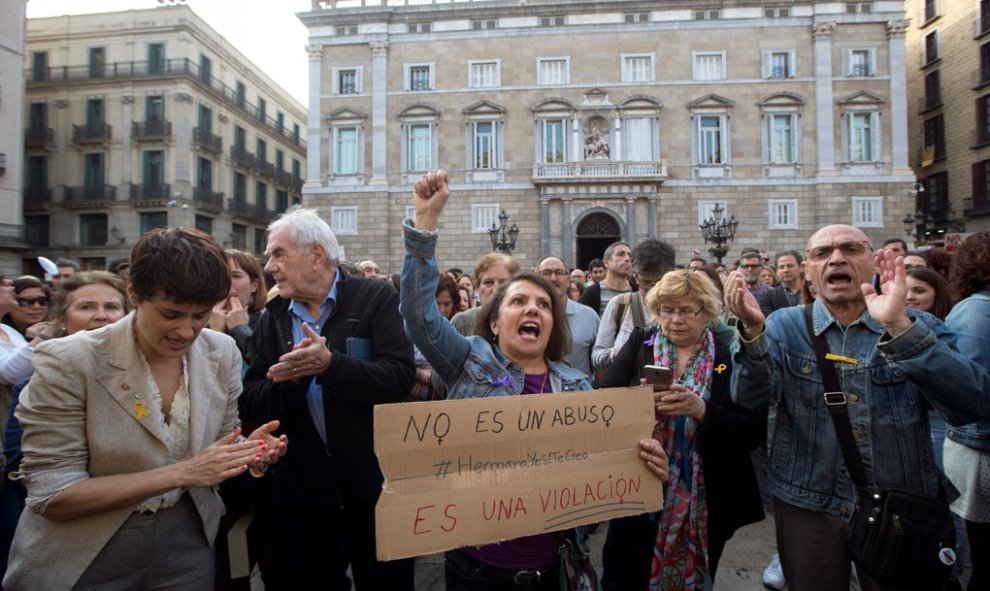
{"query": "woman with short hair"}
pixel 85 301
pixel 129 429
pixel 712 489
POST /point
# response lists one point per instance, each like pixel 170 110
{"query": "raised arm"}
pixel 441 344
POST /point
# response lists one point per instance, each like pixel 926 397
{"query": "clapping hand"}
pixel 742 303
pixel 890 307
pixel 272 447
pixel 309 357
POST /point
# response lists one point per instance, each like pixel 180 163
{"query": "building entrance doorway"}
pixel 594 234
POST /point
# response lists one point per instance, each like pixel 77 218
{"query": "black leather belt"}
pixel 520 577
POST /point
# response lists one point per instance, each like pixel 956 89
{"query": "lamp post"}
pixel 503 236
pixel 917 225
pixel 718 231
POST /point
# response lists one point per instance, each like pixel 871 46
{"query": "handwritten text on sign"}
pixel 471 472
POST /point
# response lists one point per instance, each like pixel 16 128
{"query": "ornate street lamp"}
pixel 503 237
pixel 718 231
pixel 916 226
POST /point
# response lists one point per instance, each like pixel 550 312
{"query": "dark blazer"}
pixel 592 297
pixel 345 470
pixel 726 436
pixel 774 300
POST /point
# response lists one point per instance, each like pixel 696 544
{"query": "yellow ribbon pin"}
pixel 834 357
pixel 141 409
pixel 721 367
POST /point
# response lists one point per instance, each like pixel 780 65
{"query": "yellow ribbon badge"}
pixel 141 409
pixel 721 367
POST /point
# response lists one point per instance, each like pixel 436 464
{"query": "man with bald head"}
pixel 583 321
pixel 370 269
pixel 890 360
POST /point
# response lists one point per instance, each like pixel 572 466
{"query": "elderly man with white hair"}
pixel 328 349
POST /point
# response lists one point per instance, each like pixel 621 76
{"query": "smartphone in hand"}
pixel 660 377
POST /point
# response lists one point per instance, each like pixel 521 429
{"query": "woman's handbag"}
pixel 576 571
pixel 900 537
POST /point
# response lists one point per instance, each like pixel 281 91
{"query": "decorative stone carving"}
pixel 315 51
pixel 61 103
pixel 127 99
pixel 378 48
pixel 823 30
pixel 183 97
pixel 897 28
pixel 222 118
pixel 596 140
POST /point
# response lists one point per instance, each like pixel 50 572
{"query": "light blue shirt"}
pixel 300 313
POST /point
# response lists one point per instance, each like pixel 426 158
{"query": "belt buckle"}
pixel 835 399
pixel 527 576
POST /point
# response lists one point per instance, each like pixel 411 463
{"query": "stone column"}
pixel 544 227
pixel 652 208
pixel 63 131
pixel 825 131
pixel 630 236
pixel 126 153
pixel 567 229
pixel 616 151
pixel 576 155
pixel 898 96
pixel 314 143
pixel 379 112
pixel 184 160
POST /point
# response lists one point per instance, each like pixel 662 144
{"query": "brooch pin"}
pixel 720 368
pixel 503 381
pixel 141 409
pixel 834 357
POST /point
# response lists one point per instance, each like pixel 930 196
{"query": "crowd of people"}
pixel 144 405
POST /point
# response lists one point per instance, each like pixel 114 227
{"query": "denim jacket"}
pixel 884 389
pixel 470 366
pixel 970 321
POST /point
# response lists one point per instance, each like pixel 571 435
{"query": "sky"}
pixel 266 31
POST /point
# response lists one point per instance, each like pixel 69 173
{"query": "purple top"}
pixel 531 551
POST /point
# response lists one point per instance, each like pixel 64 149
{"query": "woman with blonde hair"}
pixel 712 489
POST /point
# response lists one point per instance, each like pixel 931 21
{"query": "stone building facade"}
pixel 11 149
pixel 591 121
pixel 948 73
pixel 150 118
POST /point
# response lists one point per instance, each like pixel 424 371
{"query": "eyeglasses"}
pixel 824 252
pixel 757 266
pixel 668 313
pixel 28 302
pixel 548 273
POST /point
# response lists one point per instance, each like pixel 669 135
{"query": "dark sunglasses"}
pixel 28 302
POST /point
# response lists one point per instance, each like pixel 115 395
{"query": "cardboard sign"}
pixel 952 241
pixel 472 472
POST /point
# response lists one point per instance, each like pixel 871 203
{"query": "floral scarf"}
pixel 680 556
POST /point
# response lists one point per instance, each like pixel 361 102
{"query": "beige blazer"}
pixel 79 419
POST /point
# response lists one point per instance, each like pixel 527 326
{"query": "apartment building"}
pixel 149 118
pixel 11 149
pixel 591 121
pixel 948 73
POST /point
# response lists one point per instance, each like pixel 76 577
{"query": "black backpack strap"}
pixel 835 402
